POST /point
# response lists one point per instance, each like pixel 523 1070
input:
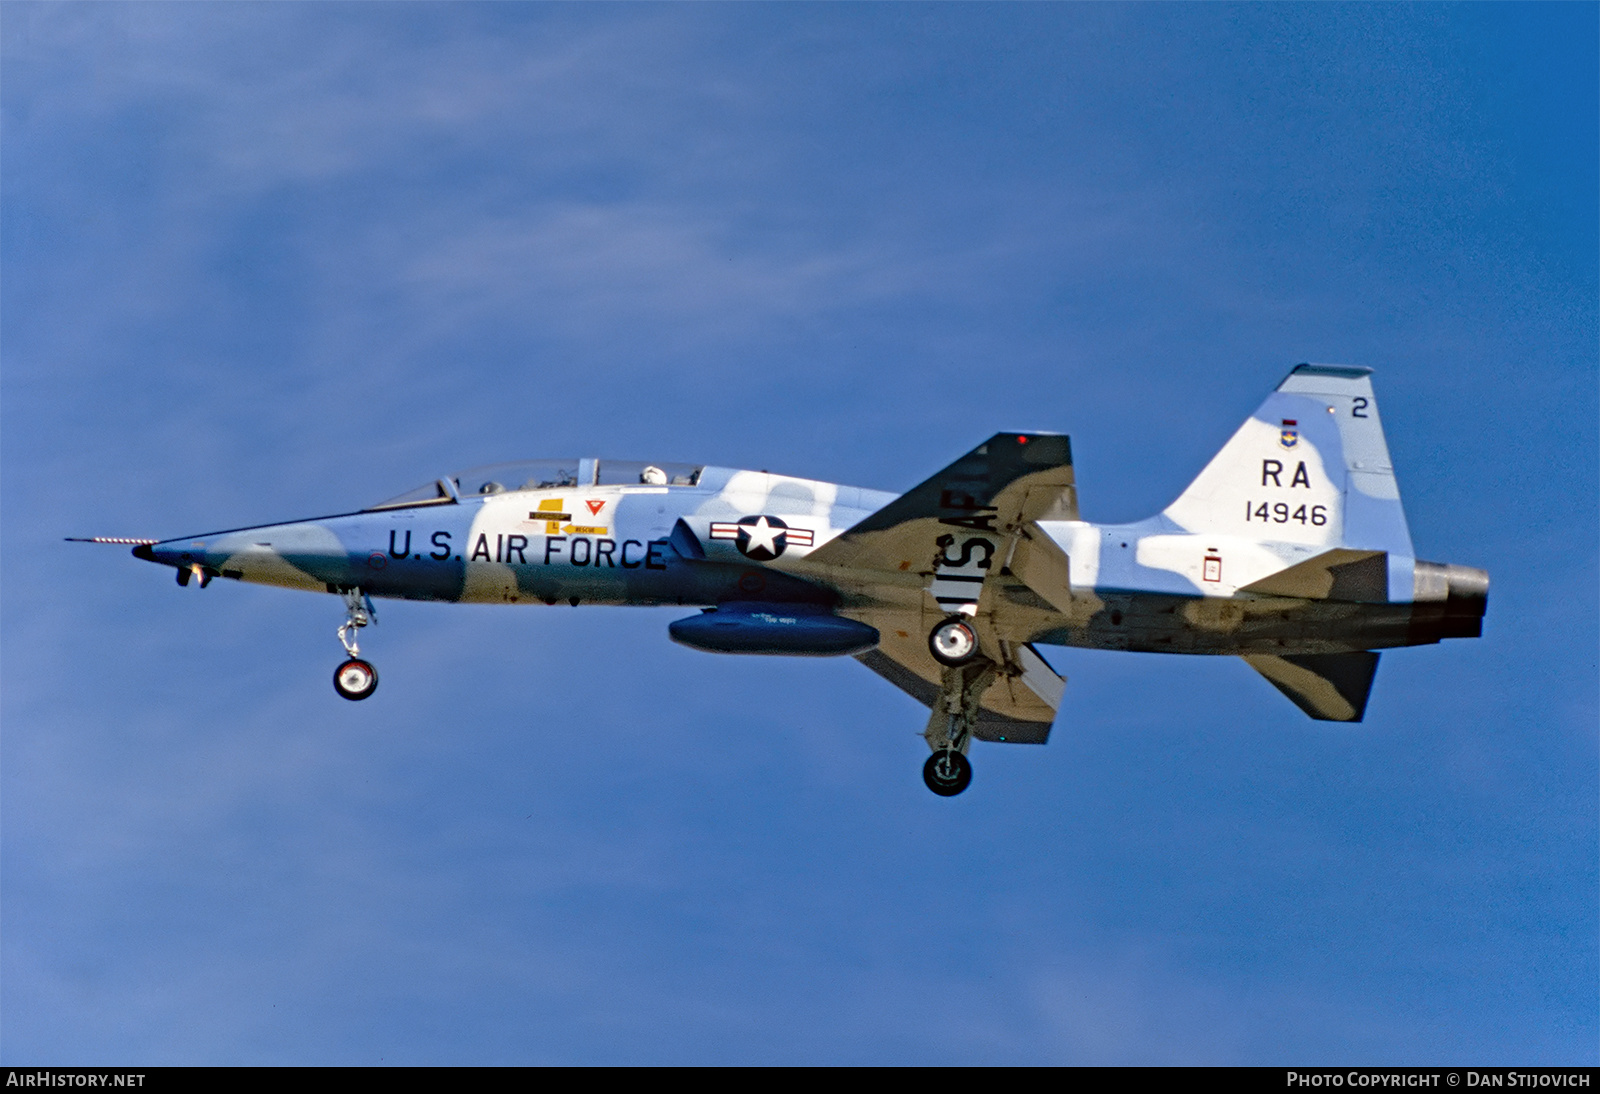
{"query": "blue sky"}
pixel 268 261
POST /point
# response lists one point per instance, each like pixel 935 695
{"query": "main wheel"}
pixel 953 642
pixel 947 772
pixel 355 679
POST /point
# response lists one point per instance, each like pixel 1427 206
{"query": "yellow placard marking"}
pixel 553 506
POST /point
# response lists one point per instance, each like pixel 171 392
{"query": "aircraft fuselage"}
pixel 1290 550
pixel 622 545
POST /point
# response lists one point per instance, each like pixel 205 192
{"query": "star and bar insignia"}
pixel 762 538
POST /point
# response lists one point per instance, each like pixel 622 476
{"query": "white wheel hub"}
pixel 954 641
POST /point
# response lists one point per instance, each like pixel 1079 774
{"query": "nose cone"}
pixel 175 552
pixel 302 555
pixel 183 555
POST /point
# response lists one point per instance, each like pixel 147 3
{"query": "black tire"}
pixel 355 679
pixel 953 642
pixel 947 772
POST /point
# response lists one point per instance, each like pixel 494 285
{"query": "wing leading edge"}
pixel 1008 481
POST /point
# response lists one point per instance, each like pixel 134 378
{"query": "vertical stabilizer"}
pixel 1310 467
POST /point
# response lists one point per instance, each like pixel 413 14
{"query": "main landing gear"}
pixel 947 772
pixel 953 642
pixel 955 715
pixel 355 679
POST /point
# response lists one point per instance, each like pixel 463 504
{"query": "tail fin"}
pixel 1310 466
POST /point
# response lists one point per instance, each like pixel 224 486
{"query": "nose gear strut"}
pixel 355 679
pixel 359 612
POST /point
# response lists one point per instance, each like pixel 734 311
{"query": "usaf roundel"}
pixel 762 538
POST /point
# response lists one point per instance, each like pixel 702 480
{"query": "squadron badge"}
pixel 1289 435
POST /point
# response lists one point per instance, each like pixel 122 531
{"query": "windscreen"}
pixel 493 479
pixel 532 475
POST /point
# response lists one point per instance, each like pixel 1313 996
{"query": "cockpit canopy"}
pixel 503 478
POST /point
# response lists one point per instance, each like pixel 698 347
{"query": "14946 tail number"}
pixel 1282 513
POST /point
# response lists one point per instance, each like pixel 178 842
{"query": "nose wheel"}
pixel 355 679
pixel 947 772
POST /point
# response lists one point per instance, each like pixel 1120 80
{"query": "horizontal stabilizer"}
pixel 1331 687
pixel 1360 577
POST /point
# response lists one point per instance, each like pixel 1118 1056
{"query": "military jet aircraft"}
pixel 1289 550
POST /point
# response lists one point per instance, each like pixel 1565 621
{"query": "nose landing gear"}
pixel 355 679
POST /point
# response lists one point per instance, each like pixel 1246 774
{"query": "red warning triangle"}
pixel 595 505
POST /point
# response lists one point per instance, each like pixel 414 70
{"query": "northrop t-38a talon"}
pixel 1289 550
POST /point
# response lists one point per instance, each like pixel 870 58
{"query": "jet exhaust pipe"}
pixel 1449 600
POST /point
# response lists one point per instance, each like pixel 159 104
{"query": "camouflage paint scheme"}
pixel 1290 549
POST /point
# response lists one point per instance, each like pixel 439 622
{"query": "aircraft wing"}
pixel 1017 708
pixel 942 547
pixel 1006 482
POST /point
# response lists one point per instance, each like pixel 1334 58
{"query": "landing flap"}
pixel 1040 678
pixel 1018 708
pixel 1043 566
pixel 1331 687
